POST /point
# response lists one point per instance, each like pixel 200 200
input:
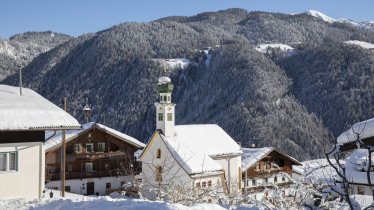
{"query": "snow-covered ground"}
pixel 320 15
pixel 105 202
pixel 174 63
pixel 365 45
pixel 264 47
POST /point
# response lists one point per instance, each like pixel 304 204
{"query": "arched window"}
pixel 158 153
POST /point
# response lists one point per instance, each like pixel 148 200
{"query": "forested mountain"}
pixel 20 49
pixel 296 99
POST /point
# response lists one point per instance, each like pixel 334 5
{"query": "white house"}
pixel 355 143
pixel 188 156
pixel 23 121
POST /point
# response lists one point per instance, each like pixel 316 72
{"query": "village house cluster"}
pixel 100 160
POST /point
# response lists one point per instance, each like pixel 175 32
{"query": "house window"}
pixel 88 167
pixel 108 185
pixel 283 179
pixel 198 184
pixel 67 188
pixel 253 182
pixel 209 200
pixel 169 98
pixel 158 153
pixel 165 98
pixel 203 184
pixel 160 117
pixel 8 161
pixel 258 166
pixel 266 165
pixel 158 176
pixel 101 147
pixel 160 98
pixel 170 116
pixel 360 190
pixel 77 148
pixel 266 180
pixel 275 179
pixel 209 183
pixel 89 147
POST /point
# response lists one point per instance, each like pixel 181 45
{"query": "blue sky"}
pixel 76 17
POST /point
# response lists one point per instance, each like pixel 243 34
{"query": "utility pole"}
pixel 63 156
pixel 20 80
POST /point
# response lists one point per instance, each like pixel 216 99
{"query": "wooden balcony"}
pixel 94 156
pixel 84 174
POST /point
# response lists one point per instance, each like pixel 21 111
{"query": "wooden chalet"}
pixel 265 166
pixel 93 153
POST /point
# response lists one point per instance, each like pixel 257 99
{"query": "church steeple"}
pixel 165 118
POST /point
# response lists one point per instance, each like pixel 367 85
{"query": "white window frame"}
pixel 101 147
pixel 79 148
pixel 92 145
pixel 7 162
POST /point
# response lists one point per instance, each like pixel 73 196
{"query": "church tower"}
pixel 165 118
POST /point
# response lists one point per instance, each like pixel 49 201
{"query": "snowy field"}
pixel 79 202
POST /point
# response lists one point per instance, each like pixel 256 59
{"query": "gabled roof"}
pixel 364 128
pixel 30 111
pixel 196 146
pixel 251 156
pixel 53 140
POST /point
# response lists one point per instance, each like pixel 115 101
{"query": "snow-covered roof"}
pixel 356 165
pixel 196 146
pixel 53 140
pixel 31 111
pixel 364 128
pixel 365 45
pixel 251 156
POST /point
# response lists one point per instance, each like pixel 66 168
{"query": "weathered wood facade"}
pixel 94 153
pixel 265 167
pixel 268 169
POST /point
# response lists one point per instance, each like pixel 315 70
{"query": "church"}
pixel 188 157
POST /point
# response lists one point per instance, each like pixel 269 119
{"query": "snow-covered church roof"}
pixel 30 111
pixel 54 140
pixel 364 128
pixel 196 146
pixel 251 156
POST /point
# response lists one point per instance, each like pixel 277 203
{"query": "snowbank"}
pixel 107 203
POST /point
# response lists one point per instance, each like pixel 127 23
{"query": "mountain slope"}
pixel 256 97
pixel 20 49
